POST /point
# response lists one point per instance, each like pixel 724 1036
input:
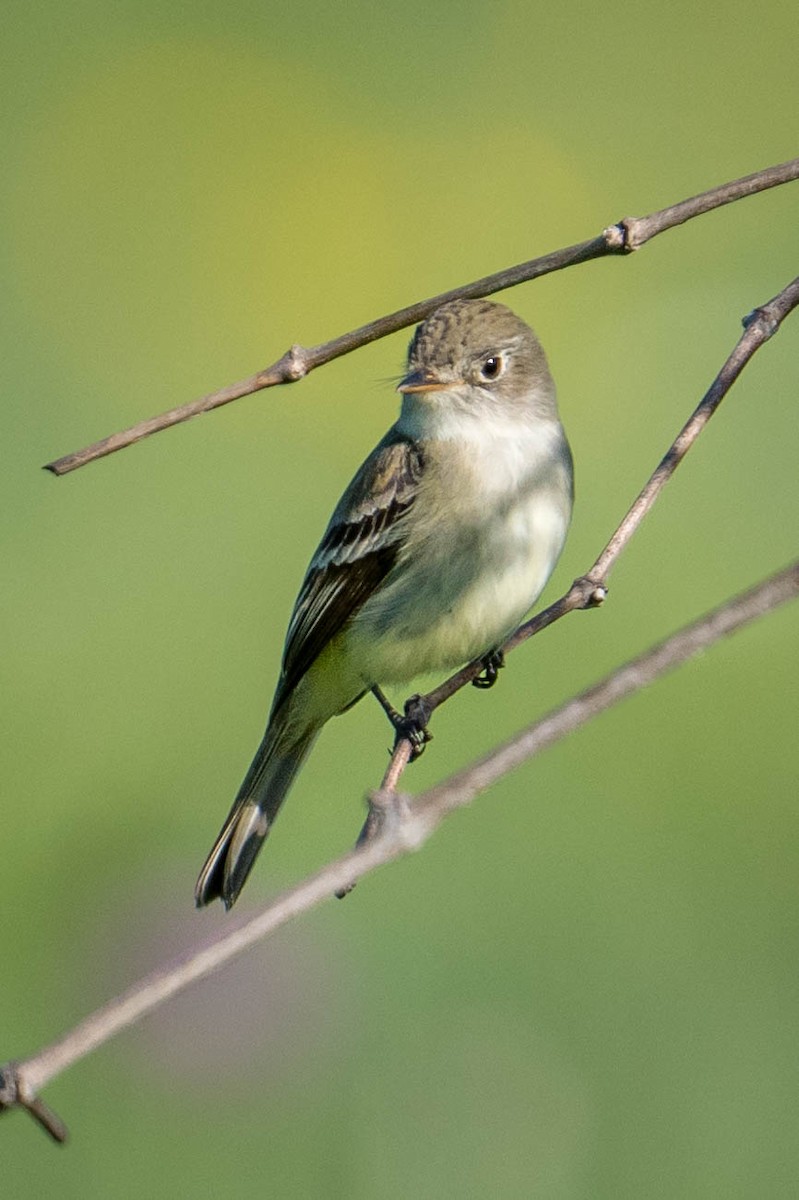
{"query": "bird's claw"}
pixel 413 726
pixel 492 665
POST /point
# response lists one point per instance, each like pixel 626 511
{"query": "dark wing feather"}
pixel 359 548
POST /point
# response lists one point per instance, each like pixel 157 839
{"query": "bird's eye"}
pixel 492 367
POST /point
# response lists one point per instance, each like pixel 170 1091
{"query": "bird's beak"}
pixel 424 381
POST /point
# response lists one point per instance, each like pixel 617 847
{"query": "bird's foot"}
pixel 412 724
pixel 492 665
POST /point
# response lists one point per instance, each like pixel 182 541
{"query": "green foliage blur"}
pixel 586 985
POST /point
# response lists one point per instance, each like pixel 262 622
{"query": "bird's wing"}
pixel 359 548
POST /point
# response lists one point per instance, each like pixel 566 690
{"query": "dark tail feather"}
pixel 251 818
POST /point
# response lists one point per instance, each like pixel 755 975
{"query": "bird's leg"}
pixel 492 664
pixel 411 725
pixel 386 705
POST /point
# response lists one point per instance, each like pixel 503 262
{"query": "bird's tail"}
pixel 252 816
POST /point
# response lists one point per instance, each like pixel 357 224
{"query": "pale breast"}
pixel 483 537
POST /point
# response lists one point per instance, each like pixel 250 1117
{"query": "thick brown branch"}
pixel 405 826
pixel 621 238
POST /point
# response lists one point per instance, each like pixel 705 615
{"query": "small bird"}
pixel 434 554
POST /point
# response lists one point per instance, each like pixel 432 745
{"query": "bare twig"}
pixel 622 238
pixel 14 1093
pixel 462 787
pixel 590 589
pixel 405 826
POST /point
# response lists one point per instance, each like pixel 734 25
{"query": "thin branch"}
pixel 461 788
pixel 622 238
pixel 590 589
pixel 642 229
pixel 404 826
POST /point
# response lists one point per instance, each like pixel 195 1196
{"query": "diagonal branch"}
pixel 622 238
pixel 590 589
pixel 461 788
pixel 403 826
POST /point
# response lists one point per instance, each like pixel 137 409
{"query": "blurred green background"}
pixel 586 985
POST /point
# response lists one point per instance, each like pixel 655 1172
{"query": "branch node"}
pixel 387 811
pixel 598 596
pixel 390 816
pixel 588 592
pixel 294 364
pixel 767 321
pixel 616 237
pixel 628 234
pixel 14 1094
pixel 393 816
